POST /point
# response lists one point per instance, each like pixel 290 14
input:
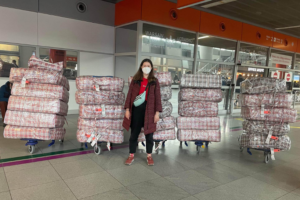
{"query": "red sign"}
pixel 71 58
pixel 288 77
pixel 275 75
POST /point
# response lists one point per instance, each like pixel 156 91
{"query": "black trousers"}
pixel 137 122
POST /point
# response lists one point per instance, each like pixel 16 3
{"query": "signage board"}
pixel 275 74
pixel 288 76
pixel 281 59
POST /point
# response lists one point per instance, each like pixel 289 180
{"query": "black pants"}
pixel 137 122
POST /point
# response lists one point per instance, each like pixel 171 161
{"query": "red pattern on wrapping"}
pixel 203 135
pixel 188 94
pixel 197 109
pixel 96 111
pixel 200 123
pixel 201 81
pixel 115 124
pixel 102 97
pixel 279 100
pixel 40 64
pixel 160 135
pixel 104 83
pixel 113 136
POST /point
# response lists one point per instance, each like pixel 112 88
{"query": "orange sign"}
pixel 181 4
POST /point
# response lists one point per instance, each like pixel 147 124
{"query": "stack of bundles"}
pixel 198 108
pixel 101 109
pixel 267 111
pixel 5 68
pixel 39 102
pixel 165 128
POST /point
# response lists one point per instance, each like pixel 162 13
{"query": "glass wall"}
pixel 252 55
pixel 126 38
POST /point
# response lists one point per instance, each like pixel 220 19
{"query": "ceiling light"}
pixel 199 38
pixel 288 27
pixel 217 3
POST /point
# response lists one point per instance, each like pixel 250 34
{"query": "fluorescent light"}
pixel 288 27
pixel 217 3
pixel 199 38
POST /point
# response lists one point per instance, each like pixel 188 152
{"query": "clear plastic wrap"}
pixel 164 78
pixel 281 100
pixel 101 97
pixel 269 114
pixel 188 94
pixel 37 105
pixel 198 123
pixel 38 120
pixel 264 127
pixel 106 135
pixel 196 135
pixel 19 132
pixel 260 85
pixel 115 124
pixel 162 135
pixel 200 81
pixel 101 111
pixel 197 109
pixel 41 90
pixel 166 93
pixel 36 63
pixel 165 124
pixel 101 83
pixel 38 76
pixel 167 109
pixel 258 141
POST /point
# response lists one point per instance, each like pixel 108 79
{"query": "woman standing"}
pixel 143 104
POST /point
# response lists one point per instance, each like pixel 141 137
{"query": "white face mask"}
pixel 146 70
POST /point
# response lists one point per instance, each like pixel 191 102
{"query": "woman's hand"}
pixel 127 114
pixel 156 117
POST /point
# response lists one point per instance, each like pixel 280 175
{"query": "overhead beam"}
pixel 181 4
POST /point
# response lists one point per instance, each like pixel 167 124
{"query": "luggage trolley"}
pixel 198 143
pixel 157 144
pixel 32 142
pixel 267 153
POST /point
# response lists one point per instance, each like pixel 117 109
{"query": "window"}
pixel 253 55
pixel 126 38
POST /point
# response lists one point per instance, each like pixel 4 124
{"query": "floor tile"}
pixel 5 196
pixel 134 174
pixel 220 173
pixel 77 168
pixel 158 189
pixel 290 196
pixel 256 189
pixel 54 190
pixel 30 177
pixel 192 181
pixel 3 182
pixel 222 192
pixel 92 184
pixel 190 198
pixel 119 194
pixel 26 166
pixel 68 159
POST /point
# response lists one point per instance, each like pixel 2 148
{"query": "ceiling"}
pixel 269 14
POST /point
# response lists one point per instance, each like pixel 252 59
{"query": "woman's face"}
pixel 146 68
pixel 146 64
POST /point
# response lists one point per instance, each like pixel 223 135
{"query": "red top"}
pixel 144 83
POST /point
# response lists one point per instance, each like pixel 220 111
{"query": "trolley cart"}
pixel 268 153
pixel 157 144
pixel 198 143
pixel 32 142
pixel 97 148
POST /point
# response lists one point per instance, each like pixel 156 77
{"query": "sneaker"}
pixel 129 160
pixel 150 161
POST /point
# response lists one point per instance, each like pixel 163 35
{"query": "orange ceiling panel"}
pixel 166 13
pixel 285 42
pixel 298 46
pixel 128 11
pixel 257 35
pixel 220 26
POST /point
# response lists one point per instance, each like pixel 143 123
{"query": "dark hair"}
pixel 139 74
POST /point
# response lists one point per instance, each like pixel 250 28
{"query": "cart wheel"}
pixel 267 157
pixel 31 149
pixel 97 149
pixel 241 149
pixel 61 141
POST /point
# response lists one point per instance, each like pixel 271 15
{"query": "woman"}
pixel 145 115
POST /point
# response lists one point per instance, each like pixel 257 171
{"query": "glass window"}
pixel 166 41
pixel 69 58
pixel 297 62
pixel 281 59
pixel 126 38
pixel 14 56
pixel 253 55
pixel 216 49
pixel 296 79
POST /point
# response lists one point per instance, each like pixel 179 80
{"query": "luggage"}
pixel 101 97
pixel 263 85
pixel 198 123
pixel 99 83
pixel 197 109
pixel 201 81
pixel 188 94
pixel 101 111
pixel 278 100
pixel 166 93
pixel 162 135
pixel 16 132
pixel 196 135
pixel 36 63
pixel 165 124
pixel 264 127
pixel 164 78
pixel 167 109
pixel 106 135
pixel 115 124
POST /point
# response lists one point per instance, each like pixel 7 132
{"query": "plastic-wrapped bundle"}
pixel 199 123
pixel 264 127
pixel 36 63
pixel 165 124
pixel 101 111
pixel 166 93
pixel 17 132
pixel 198 109
pixel 102 97
pixel 203 135
pixel 160 135
pixel 201 81
pixel 276 100
pixel 101 83
pixel 269 114
pixel 167 109
pixel 164 78
pixel 41 120
pixel 41 90
pixel 263 85
pixel 106 135
pixel 37 105
pixel 38 76
pixel 188 94
pixel 115 124
pixel 258 141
